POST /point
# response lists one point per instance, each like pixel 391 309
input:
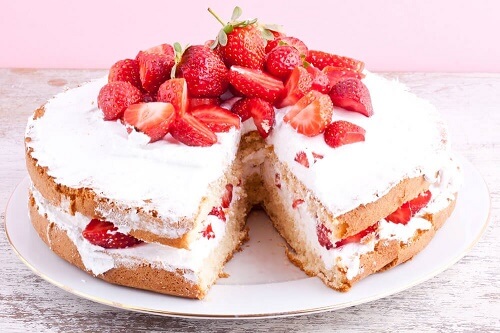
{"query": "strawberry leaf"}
pixel 236 13
pixel 222 38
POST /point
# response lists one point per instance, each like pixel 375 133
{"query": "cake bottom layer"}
pixel 154 267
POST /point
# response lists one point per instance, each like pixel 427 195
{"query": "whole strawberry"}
pixel 125 70
pixel 241 43
pixel 115 97
pixel 204 71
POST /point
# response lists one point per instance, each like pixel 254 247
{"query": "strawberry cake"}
pixel 144 178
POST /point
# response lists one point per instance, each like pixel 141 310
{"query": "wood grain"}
pixel 465 297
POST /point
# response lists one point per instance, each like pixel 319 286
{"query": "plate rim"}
pixel 311 310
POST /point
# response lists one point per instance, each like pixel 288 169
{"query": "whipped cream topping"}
pixel 99 260
pixel 405 138
pixel 82 150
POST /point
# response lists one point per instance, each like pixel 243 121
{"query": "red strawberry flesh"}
pixel 311 114
pixel 322 59
pixel 342 132
pixel 105 234
pixel 153 119
pixel 192 132
pixel 174 91
pixel 255 83
pixel 216 118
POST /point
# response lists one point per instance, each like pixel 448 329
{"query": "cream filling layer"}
pixel 99 260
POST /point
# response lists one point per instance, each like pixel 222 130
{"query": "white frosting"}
pixel 403 140
pixel 82 150
pixel 99 260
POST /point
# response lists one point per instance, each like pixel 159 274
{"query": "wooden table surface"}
pixel 466 297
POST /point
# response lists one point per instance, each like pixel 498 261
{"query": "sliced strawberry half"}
pixel 162 49
pixel 153 119
pixel 420 202
pixel 352 94
pixel 337 74
pixel 322 59
pixel 154 69
pixel 404 213
pixel 263 115
pixel 105 234
pixel 115 97
pixel 298 84
pixel 357 237
pixel 228 196
pixel 174 91
pixel 301 158
pixel 342 132
pixel 401 215
pixel 311 114
pixel 255 83
pixel 125 70
pixel 192 132
pixel 216 118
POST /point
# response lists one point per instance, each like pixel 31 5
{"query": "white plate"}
pixel 262 281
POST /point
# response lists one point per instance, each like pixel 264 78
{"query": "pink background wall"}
pixel 389 35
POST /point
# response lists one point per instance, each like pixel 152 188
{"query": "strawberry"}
pixel 420 202
pixel 241 43
pixel 216 118
pixel 290 41
pixel 105 234
pixel 154 69
pixel 310 115
pixel 208 232
pixel 260 110
pixel 282 60
pixel 277 180
pixel 117 96
pixel 401 215
pixel 162 49
pixel 322 59
pixel 337 74
pixel 298 84
pixel 342 132
pixel 255 83
pixel 404 213
pixel 320 82
pixel 242 108
pixel 297 202
pixel 204 71
pixel 352 94
pixel 153 119
pixel 174 91
pixel 301 158
pixel 228 196
pixel 317 156
pixel 192 132
pixel 219 212
pixel 125 70
pixel 197 101
pixel 357 237
pixel 323 234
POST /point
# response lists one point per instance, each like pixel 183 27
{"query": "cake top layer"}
pixel 82 150
pixel 405 137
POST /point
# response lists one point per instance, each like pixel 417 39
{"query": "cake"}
pixel 144 178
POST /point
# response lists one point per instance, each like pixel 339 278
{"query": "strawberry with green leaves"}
pixel 241 43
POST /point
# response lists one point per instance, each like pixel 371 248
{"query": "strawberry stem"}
pixel 217 17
